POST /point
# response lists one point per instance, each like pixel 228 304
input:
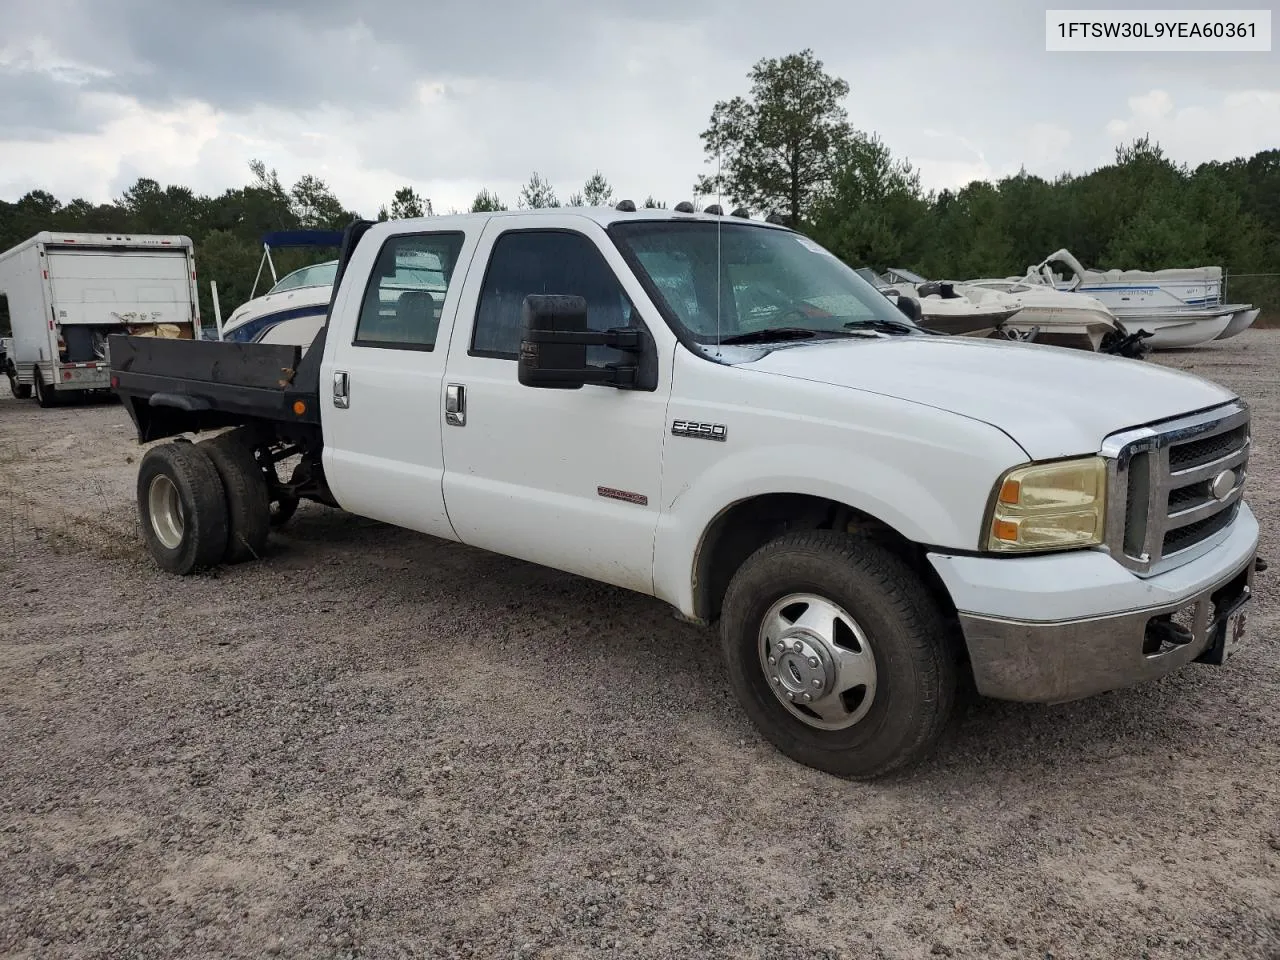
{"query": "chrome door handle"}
pixel 455 405
pixel 341 398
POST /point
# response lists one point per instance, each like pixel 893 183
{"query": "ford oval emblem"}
pixel 1223 484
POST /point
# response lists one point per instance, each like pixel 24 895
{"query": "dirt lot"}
pixel 376 744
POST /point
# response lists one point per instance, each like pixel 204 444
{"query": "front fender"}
pixel 931 492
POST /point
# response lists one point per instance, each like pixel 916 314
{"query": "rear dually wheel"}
pixel 182 508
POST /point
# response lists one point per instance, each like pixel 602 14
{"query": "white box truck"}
pixel 68 292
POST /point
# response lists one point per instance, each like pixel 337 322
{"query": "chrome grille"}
pixel 1163 509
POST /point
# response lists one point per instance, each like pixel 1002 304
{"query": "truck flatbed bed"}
pixel 171 386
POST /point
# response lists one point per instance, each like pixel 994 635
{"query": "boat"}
pixel 294 308
pixel 947 307
pixel 293 311
pixel 1241 321
pixel 1058 318
pixel 1180 307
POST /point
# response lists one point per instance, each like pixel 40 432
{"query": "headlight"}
pixel 1050 506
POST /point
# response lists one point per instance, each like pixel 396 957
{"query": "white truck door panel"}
pixel 565 478
pixel 381 378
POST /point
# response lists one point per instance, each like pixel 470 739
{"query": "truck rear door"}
pixel 381 380
pixel 112 287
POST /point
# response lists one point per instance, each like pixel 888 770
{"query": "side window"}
pixel 546 261
pixel 402 303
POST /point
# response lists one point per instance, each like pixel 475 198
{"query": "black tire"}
pixel 911 643
pixel 45 396
pixel 201 534
pixel 248 509
pixel 282 510
pixel 21 391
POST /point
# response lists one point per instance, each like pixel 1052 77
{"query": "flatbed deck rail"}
pixel 176 386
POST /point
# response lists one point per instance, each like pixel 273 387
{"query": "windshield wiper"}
pixel 770 334
pixel 882 326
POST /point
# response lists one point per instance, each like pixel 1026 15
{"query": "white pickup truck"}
pixel 717 412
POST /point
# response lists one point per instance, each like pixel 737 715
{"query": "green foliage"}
pixel 872 211
pixel 787 147
pixel 227 229
pixel 407 204
pixel 776 149
pixel 537 194
pixel 1142 210
pixel 486 202
pixel 596 191
pixel 316 207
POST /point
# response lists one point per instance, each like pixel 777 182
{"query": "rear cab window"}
pixel 406 291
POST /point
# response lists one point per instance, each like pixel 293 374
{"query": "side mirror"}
pixel 554 341
pixel 910 306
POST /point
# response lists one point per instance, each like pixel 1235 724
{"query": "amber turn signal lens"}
pixel 1050 506
pixel 299 407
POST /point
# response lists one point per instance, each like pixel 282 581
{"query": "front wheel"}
pixel 840 656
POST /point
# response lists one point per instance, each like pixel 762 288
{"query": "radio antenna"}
pixel 719 260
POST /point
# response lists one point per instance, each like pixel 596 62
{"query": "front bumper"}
pixel 1122 633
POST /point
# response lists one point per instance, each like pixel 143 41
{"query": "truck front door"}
pixel 381 382
pixel 565 478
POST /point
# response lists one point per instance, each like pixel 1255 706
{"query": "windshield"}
pixel 869 275
pixel 767 279
pixel 316 275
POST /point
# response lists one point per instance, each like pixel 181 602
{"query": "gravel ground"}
pixel 375 744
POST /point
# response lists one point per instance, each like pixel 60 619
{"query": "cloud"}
pixel 1240 123
pixel 452 95
pixel 1044 147
pixel 165 144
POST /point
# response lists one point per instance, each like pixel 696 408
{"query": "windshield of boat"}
pixel 722 280
pixel 316 275
pixel 869 275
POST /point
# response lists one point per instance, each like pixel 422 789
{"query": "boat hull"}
pixel 967 324
pixel 1058 318
pixel 1241 321
pixel 1176 333
pixel 1182 307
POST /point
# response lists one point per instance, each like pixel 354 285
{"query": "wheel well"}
pixel 746 526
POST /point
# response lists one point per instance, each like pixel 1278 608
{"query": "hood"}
pixel 1053 401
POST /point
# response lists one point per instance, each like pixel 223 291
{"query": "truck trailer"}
pixel 68 292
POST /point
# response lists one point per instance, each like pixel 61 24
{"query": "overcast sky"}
pixel 452 96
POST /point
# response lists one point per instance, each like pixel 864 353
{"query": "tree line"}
pixel 786 147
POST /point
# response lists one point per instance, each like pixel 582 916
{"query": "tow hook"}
pixel 1259 564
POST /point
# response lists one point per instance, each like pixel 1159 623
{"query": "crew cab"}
pixel 717 412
